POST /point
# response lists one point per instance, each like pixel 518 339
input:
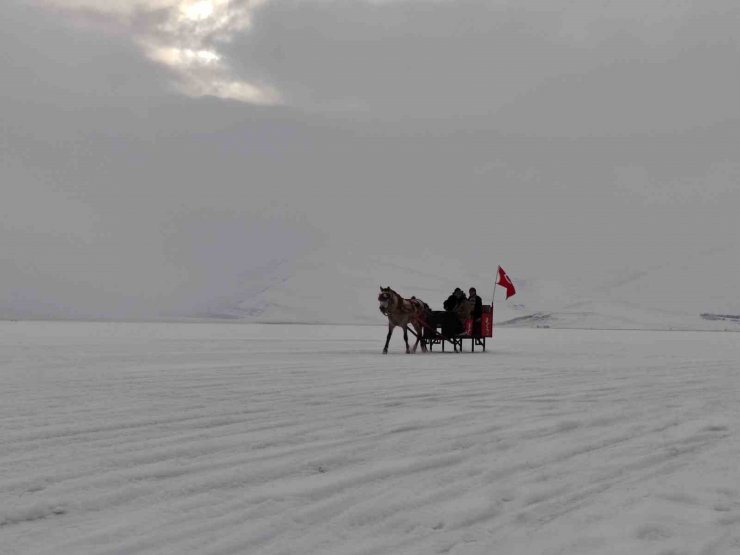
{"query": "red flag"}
pixel 505 282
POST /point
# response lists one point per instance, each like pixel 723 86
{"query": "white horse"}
pixel 402 312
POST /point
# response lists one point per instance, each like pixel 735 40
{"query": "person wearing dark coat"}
pixel 477 303
pixel 477 312
pixel 454 300
pixel 451 324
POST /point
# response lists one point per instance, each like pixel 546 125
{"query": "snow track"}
pixel 225 438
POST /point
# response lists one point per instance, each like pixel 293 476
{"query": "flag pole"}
pixel 495 282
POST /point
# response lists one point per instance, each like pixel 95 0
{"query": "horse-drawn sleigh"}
pixel 435 327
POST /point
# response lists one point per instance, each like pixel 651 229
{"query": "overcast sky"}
pixel 154 154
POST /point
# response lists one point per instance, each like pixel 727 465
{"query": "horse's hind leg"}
pixel 406 339
pixel 419 332
pixel 388 338
pixel 413 350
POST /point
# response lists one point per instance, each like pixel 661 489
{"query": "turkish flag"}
pixel 505 282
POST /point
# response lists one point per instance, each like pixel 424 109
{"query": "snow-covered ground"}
pixel 236 438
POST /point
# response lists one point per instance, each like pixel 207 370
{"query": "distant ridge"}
pixel 723 317
pixel 339 283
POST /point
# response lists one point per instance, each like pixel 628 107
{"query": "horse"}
pixel 402 312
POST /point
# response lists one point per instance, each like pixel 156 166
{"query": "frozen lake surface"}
pixel 231 438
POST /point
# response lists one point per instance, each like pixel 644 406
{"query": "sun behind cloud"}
pixel 184 37
pixel 198 11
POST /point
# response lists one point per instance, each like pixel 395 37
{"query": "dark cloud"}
pixel 47 58
pixel 532 67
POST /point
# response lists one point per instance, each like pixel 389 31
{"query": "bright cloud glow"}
pixel 197 11
pixel 184 57
pixel 242 91
pixel 185 43
pixel 185 40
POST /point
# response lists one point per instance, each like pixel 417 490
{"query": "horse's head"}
pixel 385 298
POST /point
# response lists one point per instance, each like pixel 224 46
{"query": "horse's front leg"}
pixel 388 338
pixel 406 339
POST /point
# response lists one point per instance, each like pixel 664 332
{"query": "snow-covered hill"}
pixel 338 283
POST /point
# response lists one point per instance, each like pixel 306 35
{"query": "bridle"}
pixel 385 298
